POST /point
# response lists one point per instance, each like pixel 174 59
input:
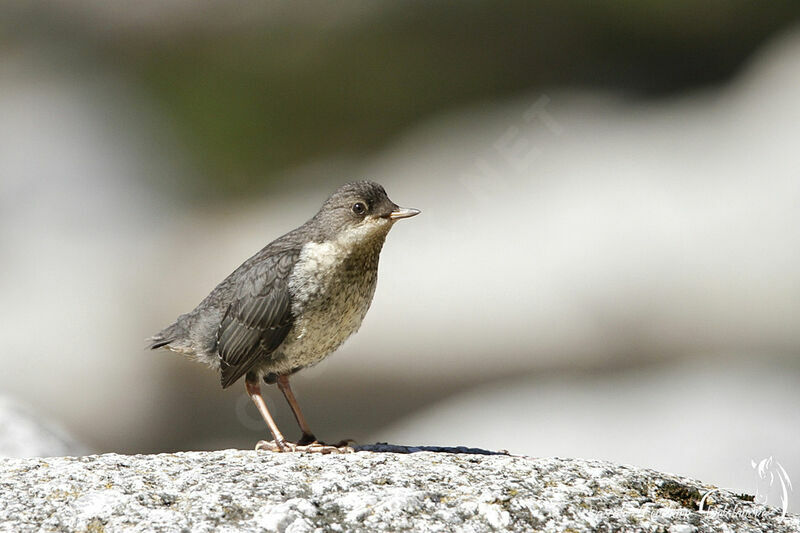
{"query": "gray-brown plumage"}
pixel 294 302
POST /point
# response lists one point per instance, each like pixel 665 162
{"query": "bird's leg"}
pixel 308 437
pixel 254 391
pixel 308 442
pixel 279 444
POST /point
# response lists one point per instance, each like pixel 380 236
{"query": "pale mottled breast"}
pixel 332 286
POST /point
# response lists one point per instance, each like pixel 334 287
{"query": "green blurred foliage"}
pixel 256 97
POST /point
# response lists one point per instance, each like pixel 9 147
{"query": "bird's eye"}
pixel 359 208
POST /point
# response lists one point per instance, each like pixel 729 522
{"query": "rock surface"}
pixel 233 490
pixel 26 434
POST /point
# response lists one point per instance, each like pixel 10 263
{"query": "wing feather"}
pixel 258 319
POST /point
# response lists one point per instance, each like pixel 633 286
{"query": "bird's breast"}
pixel 331 287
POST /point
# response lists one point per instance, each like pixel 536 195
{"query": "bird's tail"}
pixel 157 341
pixel 163 337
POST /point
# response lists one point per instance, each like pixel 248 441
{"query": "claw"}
pixel 314 447
pixel 270 446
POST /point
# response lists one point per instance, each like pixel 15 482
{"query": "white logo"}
pixel 772 484
pixel 772 480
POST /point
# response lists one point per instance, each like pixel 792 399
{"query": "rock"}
pixel 25 434
pixel 366 491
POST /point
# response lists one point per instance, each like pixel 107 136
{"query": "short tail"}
pixel 163 337
pixel 157 342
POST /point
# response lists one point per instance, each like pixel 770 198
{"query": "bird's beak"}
pixel 403 212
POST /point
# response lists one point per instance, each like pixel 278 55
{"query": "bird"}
pixel 292 304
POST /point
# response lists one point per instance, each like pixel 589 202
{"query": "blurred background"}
pixel 607 265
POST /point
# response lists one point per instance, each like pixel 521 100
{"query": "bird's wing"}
pixel 258 318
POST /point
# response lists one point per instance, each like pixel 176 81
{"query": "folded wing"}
pixel 259 317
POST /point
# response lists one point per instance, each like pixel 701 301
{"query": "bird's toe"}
pixel 275 446
pixel 313 447
pixel 317 447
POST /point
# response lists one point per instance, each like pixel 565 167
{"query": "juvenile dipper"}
pixel 293 303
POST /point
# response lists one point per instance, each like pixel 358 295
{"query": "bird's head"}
pixel 360 211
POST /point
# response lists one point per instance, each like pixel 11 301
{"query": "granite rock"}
pixel 233 490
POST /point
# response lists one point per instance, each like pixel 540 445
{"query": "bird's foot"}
pixel 312 447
